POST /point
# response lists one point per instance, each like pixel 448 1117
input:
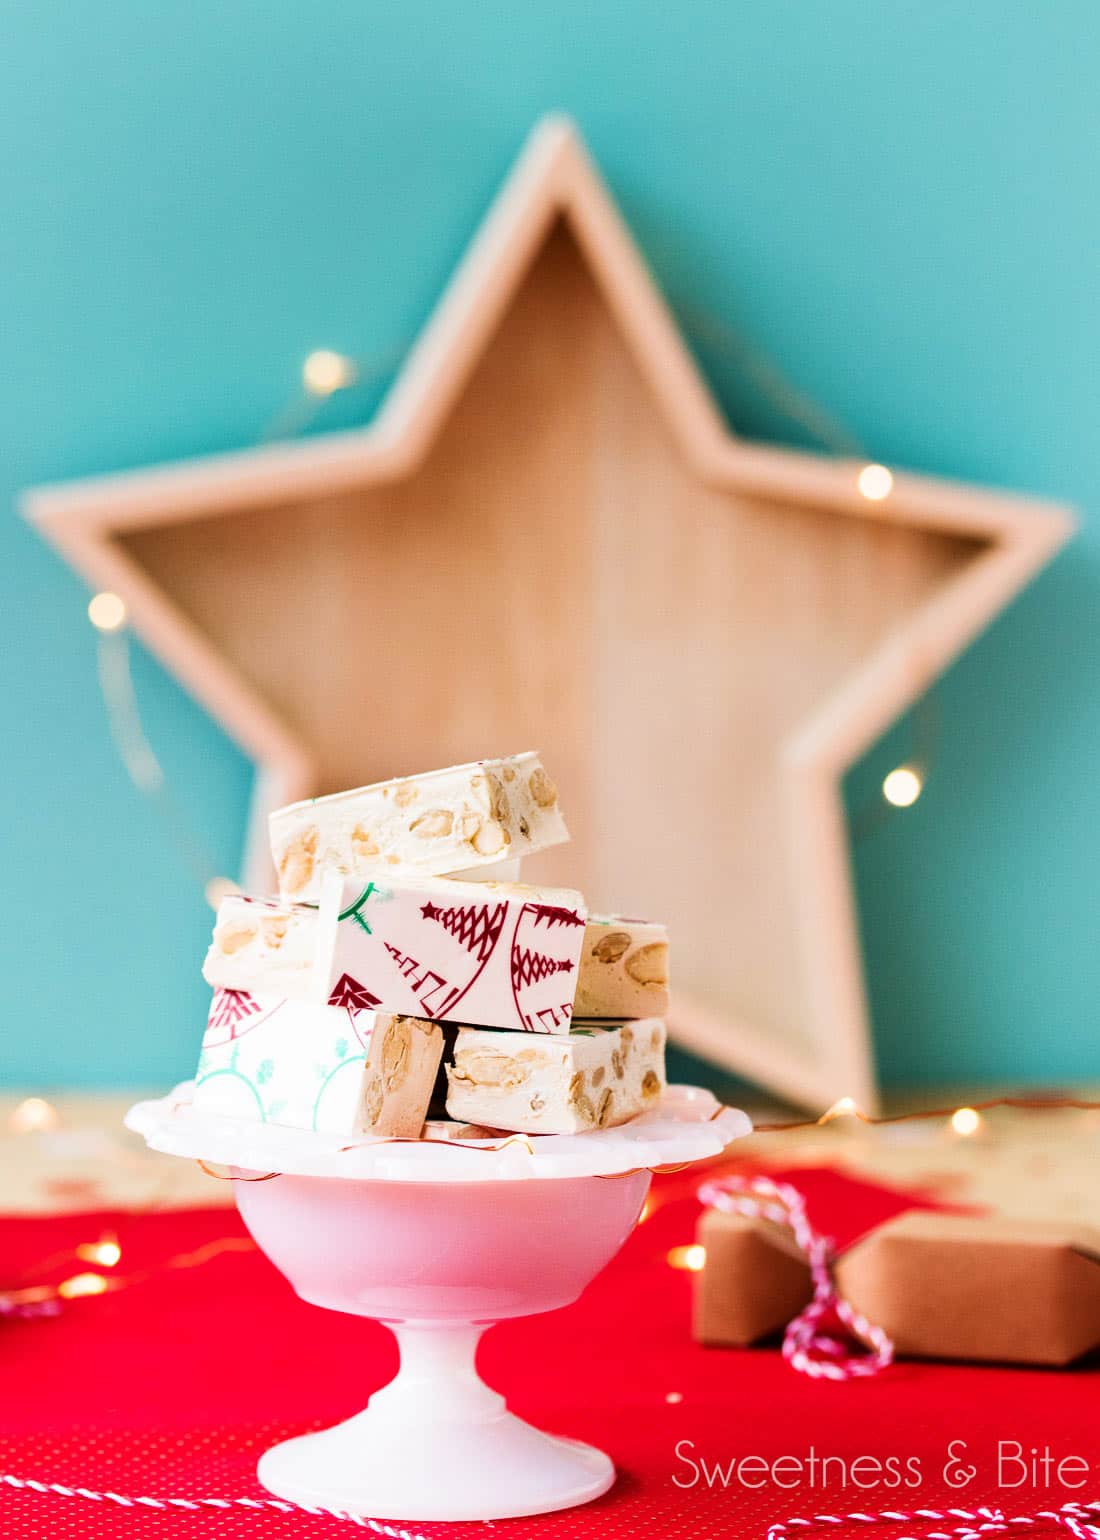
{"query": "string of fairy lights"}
pixel 103 1252
pixel 325 373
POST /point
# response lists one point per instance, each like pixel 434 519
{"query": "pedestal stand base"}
pixel 442 1239
pixel 436 1443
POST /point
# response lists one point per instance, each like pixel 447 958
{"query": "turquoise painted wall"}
pixel 896 203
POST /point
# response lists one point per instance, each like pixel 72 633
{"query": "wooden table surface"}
pixel 1030 1164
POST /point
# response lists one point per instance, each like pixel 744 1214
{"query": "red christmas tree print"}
pixel 533 964
pixel 353 996
pixel 532 967
pixel 554 914
pixel 228 1009
pixel 476 926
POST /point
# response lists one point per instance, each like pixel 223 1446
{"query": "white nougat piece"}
pixel 447 821
pixel 265 946
pixel 330 1069
pixel 600 1075
pixel 499 954
pixel 266 1059
pixel 623 969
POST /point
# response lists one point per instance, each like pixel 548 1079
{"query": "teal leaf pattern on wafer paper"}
pixel 234 1074
pixel 354 912
pixel 357 1058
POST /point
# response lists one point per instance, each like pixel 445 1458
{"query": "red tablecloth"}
pixel 174 1386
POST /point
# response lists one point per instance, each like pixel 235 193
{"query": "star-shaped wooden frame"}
pixel 838 610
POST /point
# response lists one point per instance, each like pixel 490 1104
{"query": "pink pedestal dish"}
pixel 438 1242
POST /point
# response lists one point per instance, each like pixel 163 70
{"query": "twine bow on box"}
pixel 812 1344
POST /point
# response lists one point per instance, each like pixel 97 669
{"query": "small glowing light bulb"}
pixel 902 786
pixel 106 1252
pixel 674 1397
pixel 846 1107
pixel 106 611
pixel 325 372
pixel 82 1285
pixel 33 1115
pixel 875 483
pixel 218 888
pixel 966 1121
pixel 690 1259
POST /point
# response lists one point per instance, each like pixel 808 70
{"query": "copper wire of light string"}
pixel 454 1144
pixel 218 1177
pixel 147 774
pixel 114 1284
pixel 1019 1103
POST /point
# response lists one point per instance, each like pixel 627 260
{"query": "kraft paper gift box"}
pixel 994 1289
pixel 446 821
pixel 335 1070
pixel 940 1285
pixel 497 954
pixel 755 1279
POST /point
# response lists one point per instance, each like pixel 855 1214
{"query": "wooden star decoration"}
pixel 549 537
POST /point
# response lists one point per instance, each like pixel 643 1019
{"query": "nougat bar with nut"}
pixel 623 969
pixel 499 954
pixel 443 822
pixel 600 1075
pixel 402 1061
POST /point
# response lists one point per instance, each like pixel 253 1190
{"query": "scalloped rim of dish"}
pixel 687 1125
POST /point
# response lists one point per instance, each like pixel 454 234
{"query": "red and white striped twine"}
pixel 256 1504
pixel 1081 1519
pixel 805 1347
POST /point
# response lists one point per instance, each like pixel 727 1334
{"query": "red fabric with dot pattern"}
pixel 173 1388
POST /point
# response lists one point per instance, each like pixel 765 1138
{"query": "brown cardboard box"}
pixel 940 1285
pixel 998 1290
pixel 754 1281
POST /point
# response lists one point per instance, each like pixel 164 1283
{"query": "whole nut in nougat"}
pixel 598 1076
pixel 623 970
pixel 445 821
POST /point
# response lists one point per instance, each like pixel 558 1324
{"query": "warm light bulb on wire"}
pixel 107 611
pixel 82 1286
pixel 687 1259
pixel 903 786
pixel 966 1122
pixel 104 1253
pixel 33 1115
pixel 846 1107
pixel 325 372
pixel 875 483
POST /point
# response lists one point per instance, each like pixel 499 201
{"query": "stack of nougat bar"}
pixel 404 984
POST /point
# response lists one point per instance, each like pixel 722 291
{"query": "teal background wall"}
pixel 897 203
